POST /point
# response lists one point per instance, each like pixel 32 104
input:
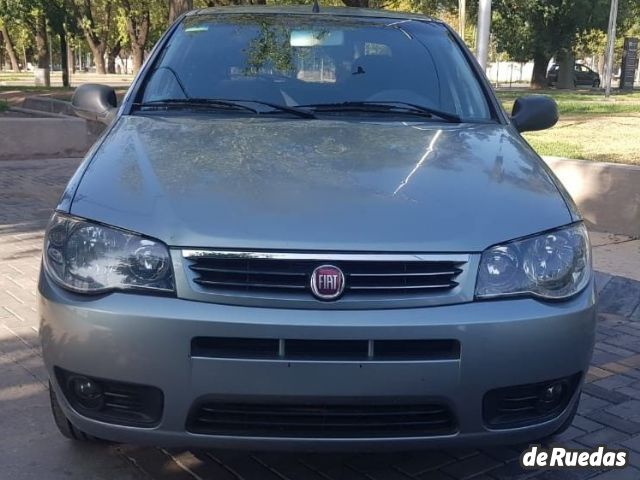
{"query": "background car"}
pixel 582 75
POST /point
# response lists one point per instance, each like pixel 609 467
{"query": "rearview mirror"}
pixel 311 38
pixel 95 102
pixel 534 112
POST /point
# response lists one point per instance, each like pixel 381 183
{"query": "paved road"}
pixel 31 448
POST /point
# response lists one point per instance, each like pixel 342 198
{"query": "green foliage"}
pixel 271 47
pixel 590 42
pixel 4 106
pixel 523 28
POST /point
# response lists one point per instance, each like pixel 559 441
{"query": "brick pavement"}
pixel 31 448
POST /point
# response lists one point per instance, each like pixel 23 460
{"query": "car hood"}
pixel 210 181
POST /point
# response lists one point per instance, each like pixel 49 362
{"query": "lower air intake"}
pixel 321 421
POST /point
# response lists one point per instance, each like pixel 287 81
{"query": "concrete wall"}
pixel 607 194
pixel 22 138
pixel 47 104
pixel 509 72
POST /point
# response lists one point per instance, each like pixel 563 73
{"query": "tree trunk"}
pixel 42 75
pixel 601 63
pixel 98 58
pixel 565 73
pixel 97 43
pixel 71 59
pixel 138 32
pixel 64 60
pixel 13 58
pixel 42 49
pixel 111 62
pixel 539 77
pixel 112 53
pixel 137 54
pixel 178 7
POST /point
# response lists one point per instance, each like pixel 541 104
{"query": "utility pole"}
pixel 484 30
pixel 611 43
pixel 462 17
pixel 50 48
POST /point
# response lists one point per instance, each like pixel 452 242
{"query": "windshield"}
pixel 307 61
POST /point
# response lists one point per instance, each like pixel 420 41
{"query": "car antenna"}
pixel 316 7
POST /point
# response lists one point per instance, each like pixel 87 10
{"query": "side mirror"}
pixel 95 102
pixel 534 112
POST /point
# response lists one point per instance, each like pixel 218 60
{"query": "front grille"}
pixel 264 274
pixel 321 421
pixel 325 350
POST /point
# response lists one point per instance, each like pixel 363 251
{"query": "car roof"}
pixel 307 10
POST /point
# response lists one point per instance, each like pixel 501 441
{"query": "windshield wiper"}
pixel 220 103
pixel 393 107
pixel 207 103
pixel 283 108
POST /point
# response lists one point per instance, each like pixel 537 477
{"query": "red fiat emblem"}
pixel 327 282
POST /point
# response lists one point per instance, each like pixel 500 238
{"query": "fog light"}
pixel 87 391
pixel 528 404
pixel 552 394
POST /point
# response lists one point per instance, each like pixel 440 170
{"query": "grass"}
pixel 590 127
pixel 581 102
pixel 573 95
pixel 601 138
pixel 10 78
pixel 36 90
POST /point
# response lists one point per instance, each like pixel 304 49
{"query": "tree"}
pixel 137 19
pixel 8 44
pixel 42 45
pixel 113 50
pixel 538 30
pixel 12 14
pixel 178 7
pixel 61 24
pixel 30 14
pixel 95 19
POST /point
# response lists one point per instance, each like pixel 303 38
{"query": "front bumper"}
pixel 147 340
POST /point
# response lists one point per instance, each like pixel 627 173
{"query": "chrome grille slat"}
pixel 404 287
pixel 317 256
pixel 247 284
pixel 244 272
pixel 409 274
pixel 286 276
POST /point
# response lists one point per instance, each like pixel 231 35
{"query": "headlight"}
pixel 551 265
pixel 88 257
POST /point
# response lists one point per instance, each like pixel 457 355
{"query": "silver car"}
pixel 308 230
